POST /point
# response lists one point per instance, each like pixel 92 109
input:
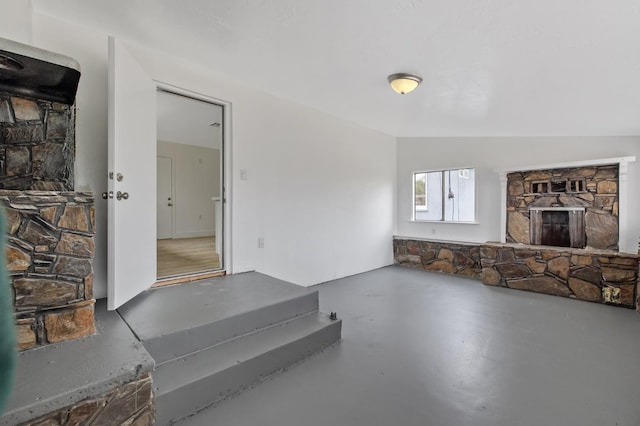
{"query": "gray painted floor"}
pixel 422 348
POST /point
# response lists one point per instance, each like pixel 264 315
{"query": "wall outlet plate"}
pixel 611 294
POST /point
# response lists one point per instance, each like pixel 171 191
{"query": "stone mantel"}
pixel 558 209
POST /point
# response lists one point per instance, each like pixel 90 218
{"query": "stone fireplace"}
pixel 49 228
pixel 567 207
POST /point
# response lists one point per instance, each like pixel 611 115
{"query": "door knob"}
pixel 122 195
pixel 170 204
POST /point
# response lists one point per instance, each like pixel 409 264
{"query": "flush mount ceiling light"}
pixel 403 82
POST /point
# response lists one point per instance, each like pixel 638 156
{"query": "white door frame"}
pixel 172 191
pixel 226 195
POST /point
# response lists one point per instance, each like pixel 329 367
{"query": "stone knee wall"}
pixel 130 404
pixel 440 256
pixel 592 275
pixel 37 144
pixel 602 277
pixel 49 253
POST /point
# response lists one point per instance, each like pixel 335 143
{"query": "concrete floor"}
pixel 422 348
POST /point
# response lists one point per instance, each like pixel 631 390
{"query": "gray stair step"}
pixel 170 346
pixel 175 321
pixel 193 382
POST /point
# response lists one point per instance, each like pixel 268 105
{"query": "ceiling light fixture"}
pixel 403 82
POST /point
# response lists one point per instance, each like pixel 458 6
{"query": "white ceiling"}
pixel 188 121
pixel 490 67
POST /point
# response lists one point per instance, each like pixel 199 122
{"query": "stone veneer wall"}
pixel 591 275
pixel 597 192
pixel 439 256
pixel 594 276
pixel 130 404
pixel 49 252
pixel 37 144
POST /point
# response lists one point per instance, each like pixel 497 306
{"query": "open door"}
pixel 131 263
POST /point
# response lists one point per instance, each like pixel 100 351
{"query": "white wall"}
pixel 15 20
pixel 89 48
pixel 196 181
pixel 319 190
pixel 489 154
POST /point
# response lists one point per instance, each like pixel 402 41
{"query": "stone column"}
pixel 49 253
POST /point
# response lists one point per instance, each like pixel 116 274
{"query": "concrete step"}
pixel 188 384
pixel 57 376
pixel 172 322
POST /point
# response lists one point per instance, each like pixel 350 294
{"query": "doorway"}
pixel 189 184
pixel 164 199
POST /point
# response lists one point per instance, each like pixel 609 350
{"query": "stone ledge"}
pixel 130 404
pixel 433 240
pixel 457 258
pixel 601 276
pixel 53 377
pixel 586 251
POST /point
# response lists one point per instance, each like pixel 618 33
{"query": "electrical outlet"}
pixel 260 242
pixel 611 294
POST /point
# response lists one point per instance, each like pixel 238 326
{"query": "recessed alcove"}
pixel 592 195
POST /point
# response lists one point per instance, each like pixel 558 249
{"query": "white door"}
pixel 131 263
pixel 164 201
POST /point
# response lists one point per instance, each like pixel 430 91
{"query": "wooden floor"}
pixel 187 256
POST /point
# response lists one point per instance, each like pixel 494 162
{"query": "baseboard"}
pixel 195 234
pixel 188 278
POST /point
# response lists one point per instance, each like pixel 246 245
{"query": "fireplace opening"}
pixel 555 229
pixel 557 226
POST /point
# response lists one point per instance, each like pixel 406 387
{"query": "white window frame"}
pixel 444 195
pixel 413 193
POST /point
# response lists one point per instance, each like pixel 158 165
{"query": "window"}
pixel 445 195
pixel 558 185
pixel 540 187
pixel 577 185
